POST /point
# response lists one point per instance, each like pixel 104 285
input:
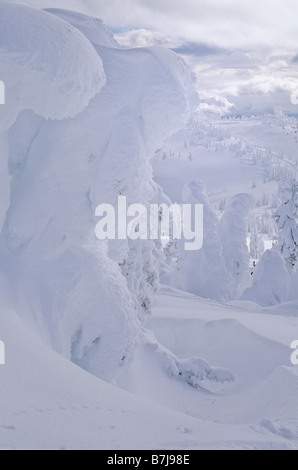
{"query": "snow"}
pixel 92 28
pixel 55 72
pixel 258 411
pixel 203 272
pixel 286 220
pixel 75 291
pixel 99 354
pixel 271 281
pixel 233 236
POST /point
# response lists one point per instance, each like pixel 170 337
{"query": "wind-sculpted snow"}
pixel 49 403
pixel 92 28
pixel 272 281
pixel 47 65
pixel 88 299
pixel 154 83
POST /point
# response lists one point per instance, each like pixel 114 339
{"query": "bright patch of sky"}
pixel 244 54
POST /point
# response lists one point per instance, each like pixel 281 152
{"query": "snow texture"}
pixel 271 283
pixel 86 298
pixel 201 362
pixel 55 72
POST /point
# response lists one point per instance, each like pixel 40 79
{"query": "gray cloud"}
pixel 196 49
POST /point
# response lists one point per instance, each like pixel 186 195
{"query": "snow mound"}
pixel 195 371
pixel 49 403
pixel 92 28
pixel 289 309
pixel 277 397
pixel 271 282
pixel 47 65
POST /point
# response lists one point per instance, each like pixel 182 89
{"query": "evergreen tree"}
pixel 254 243
pixel 233 234
pixel 286 217
pixel 261 247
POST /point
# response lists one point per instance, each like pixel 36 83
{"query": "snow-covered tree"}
pixel 222 205
pixel 233 233
pixel 286 217
pixel 261 246
pixel 202 272
pixel 256 244
pixel 271 281
pixel 88 298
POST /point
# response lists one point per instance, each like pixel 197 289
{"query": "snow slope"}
pixel 255 346
pixel 49 403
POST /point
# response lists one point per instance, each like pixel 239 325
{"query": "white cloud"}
pixel 243 52
pixel 253 83
pixel 224 23
pixel 144 38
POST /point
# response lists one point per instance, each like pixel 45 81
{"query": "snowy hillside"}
pixel 49 403
pixel 132 343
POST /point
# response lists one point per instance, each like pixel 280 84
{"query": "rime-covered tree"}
pixel 256 244
pixel 286 217
pixel 233 234
pixel 202 272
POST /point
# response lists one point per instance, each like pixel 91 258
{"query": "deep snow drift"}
pixel 49 403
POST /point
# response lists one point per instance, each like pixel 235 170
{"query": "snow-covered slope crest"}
pixel 47 65
pixel 157 85
pixel 92 28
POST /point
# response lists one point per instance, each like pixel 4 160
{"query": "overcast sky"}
pixel 225 23
pixel 243 51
